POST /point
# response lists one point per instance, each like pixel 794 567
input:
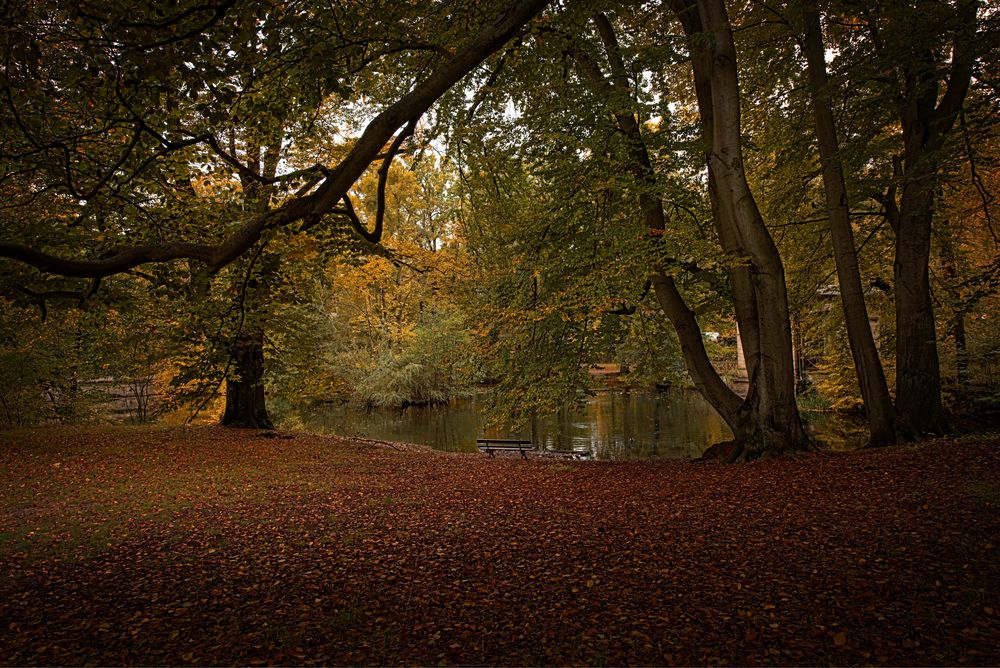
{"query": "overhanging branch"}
pixel 311 207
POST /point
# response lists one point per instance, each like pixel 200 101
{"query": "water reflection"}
pixel 836 430
pixel 675 424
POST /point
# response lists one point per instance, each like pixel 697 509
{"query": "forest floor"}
pixel 215 546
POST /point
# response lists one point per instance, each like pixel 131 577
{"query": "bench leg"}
pixel 524 453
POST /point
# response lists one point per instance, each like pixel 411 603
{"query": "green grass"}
pixel 69 492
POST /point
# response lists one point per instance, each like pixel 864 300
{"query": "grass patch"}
pixel 69 492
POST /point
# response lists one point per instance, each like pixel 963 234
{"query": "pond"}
pixel 614 424
pixel 675 424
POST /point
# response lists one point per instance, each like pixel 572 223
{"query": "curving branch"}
pixel 348 210
pixel 963 58
pixel 352 216
pixel 41 297
pixel 383 177
pixel 311 207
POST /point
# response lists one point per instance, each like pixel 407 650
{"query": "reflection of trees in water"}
pixel 836 430
pixel 676 424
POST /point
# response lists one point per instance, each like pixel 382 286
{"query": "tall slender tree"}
pixel 868 367
pixel 760 292
pixel 930 51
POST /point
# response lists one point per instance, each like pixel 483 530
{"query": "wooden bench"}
pixel 493 445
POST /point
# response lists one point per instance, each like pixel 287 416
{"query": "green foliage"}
pixel 426 370
pixel 75 365
pixel 554 225
pixel 380 327
pixel 558 286
pixel 519 259
pixel 36 378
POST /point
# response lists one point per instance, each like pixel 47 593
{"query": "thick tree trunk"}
pixel 871 377
pixel 767 421
pixel 777 425
pixel 739 270
pixel 918 374
pixel 245 406
pixel 926 115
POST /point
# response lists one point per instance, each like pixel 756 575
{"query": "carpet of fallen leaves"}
pixel 215 546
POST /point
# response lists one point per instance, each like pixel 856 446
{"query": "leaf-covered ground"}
pixel 213 546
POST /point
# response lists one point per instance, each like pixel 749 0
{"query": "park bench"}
pixel 491 446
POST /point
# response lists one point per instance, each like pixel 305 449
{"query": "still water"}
pixel 675 424
pixel 671 424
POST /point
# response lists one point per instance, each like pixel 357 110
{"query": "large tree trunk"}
pixel 245 405
pixel 918 375
pixel 926 115
pixel 765 422
pixel 775 417
pixel 871 377
pixel 738 269
pixel 245 401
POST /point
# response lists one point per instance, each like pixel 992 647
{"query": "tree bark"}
pixel 738 271
pixel 958 323
pixel 776 422
pixel 918 370
pixel 871 377
pixel 245 404
pixel 961 353
pixel 767 422
pixel 926 116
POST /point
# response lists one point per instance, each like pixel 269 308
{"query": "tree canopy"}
pixel 585 181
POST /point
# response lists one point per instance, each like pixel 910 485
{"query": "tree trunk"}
pixel 926 116
pixel 245 401
pixel 739 270
pixel 777 425
pixel 871 377
pixel 704 376
pixel 918 374
pixel 961 353
pixel 245 405
pixel 767 421
pixel 947 248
